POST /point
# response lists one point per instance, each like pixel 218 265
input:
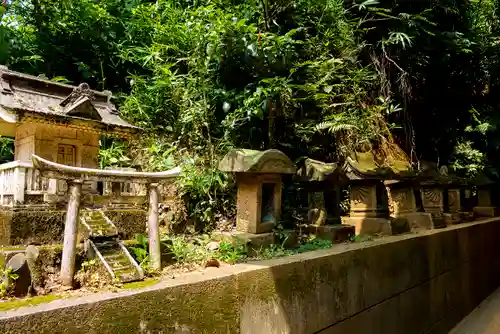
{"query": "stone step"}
pixel 112 257
pixel 103 235
pixel 91 223
pixel 126 274
pixel 119 262
pixel 98 220
pixel 97 225
pixel 123 268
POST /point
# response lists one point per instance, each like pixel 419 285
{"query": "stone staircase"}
pixel 103 243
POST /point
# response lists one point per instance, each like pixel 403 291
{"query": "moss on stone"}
pixel 140 284
pixel 27 226
pixel 12 249
pixel 13 304
pixel 251 161
pixel 128 222
pixel 40 226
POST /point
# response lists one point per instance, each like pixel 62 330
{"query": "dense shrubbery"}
pixel 309 77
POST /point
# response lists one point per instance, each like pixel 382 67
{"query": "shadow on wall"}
pixel 400 285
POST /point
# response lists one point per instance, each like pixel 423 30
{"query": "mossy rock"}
pixel 400 225
pixel 439 222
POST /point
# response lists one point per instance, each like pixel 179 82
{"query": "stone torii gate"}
pixel 75 176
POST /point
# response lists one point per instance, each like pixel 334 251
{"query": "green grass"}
pixel 9 305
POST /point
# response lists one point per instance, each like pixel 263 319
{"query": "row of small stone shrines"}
pixel 387 199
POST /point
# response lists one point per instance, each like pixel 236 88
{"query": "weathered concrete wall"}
pixel 401 284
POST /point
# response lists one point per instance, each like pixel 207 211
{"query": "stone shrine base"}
pixel 454 218
pixel 369 225
pixel 334 233
pixel 419 220
pixel 45 224
pixel 253 241
pixel 484 211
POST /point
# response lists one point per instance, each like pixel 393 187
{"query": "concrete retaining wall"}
pixel 418 283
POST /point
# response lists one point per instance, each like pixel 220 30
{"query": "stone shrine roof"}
pixel 252 161
pixel 431 175
pixel 482 180
pixel 314 170
pixel 364 165
pixel 24 95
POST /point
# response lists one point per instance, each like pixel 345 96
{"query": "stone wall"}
pixel 46 226
pixel 399 284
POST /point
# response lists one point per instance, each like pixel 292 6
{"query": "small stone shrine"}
pixel 369 211
pixel 63 124
pixel 56 121
pixel 322 182
pixel 483 186
pixel 258 174
pixel 453 199
pixel 404 204
pixel 433 187
pixel 432 191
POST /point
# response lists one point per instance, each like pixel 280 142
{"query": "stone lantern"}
pixel 404 203
pixel 258 175
pixel 454 204
pixel 434 185
pixel 322 182
pixel 369 198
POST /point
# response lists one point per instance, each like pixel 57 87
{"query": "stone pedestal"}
pixel 419 220
pixel 334 233
pixel 367 211
pixel 363 199
pixel 454 205
pixel 404 206
pixel 369 225
pixel 432 200
pixel 484 207
pixel 433 203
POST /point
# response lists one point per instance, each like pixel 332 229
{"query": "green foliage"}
pixel 317 78
pixel 272 251
pixel 141 251
pixel 230 253
pixel 88 265
pixel 467 158
pixel 278 250
pixel 207 192
pixel 186 250
pixel 7 277
pixel 194 250
pixel 468 161
pixel 113 153
pixel 313 244
pixel 6 149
